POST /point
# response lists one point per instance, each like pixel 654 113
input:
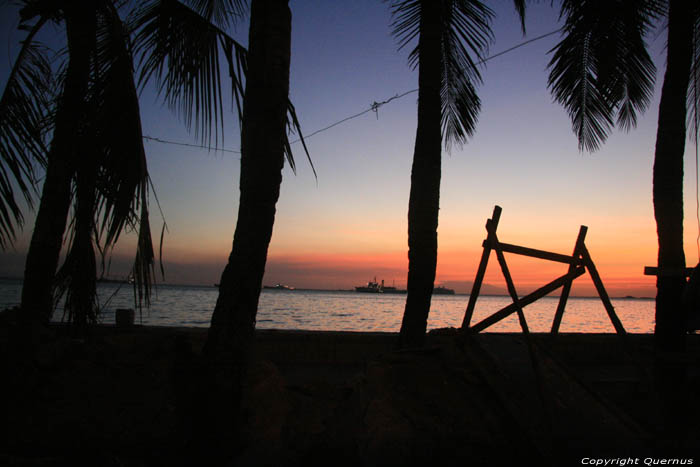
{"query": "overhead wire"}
pixel 178 143
pixel 374 107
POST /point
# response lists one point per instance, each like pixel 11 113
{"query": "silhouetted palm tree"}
pixel 181 49
pixel 96 146
pixel 263 139
pixel 602 73
pixel 181 45
pixel 453 36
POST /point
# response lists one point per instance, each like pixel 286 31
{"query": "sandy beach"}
pixel 348 398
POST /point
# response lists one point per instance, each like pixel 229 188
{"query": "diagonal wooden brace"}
pixel 602 292
pixel 527 299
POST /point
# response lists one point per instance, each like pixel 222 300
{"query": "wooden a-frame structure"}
pixel 579 262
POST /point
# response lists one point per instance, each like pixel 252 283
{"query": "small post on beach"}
pixel 476 287
pixel 124 317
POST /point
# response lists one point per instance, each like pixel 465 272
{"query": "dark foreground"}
pixel 338 398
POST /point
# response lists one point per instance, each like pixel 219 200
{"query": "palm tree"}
pixel 453 36
pixel 181 47
pixel 263 139
pixel 96 145
pixel 602 73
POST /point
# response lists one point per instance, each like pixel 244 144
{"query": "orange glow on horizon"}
pixel 456 269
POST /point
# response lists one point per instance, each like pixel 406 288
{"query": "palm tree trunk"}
pixel 424 199
pixel 262 158
pixel 668 179
pixel 47 238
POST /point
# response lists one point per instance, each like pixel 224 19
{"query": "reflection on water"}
pixel 351 311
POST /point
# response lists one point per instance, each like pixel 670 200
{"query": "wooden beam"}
pixel 509 280
pixel 654 271
pixel 476 287
pixel 602 292
pixel 532 252
pixel 527 300
pixel 567 286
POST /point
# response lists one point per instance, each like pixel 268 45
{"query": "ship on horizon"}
pixel 377 287
pixel 440 290
pixel 278 287
pixel 371 287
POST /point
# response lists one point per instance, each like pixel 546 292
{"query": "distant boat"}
pixel 440 290
pixel 376 287
pixel 371 287
pixel 278 287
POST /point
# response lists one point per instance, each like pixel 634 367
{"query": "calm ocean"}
pixel 352 311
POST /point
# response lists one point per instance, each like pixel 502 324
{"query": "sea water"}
pixel 173 305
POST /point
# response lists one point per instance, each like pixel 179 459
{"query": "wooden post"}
pixel 476 287
pixel 588 262
pixel 527 299
pixel 506 274
pixel 576 255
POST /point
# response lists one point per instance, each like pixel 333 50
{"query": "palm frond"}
pixel 466 34
pixel 293 126
pixel 601 71
pixel 406 25
pixel 222 13
pixel 519 6
pixel 24 106
pixel 143 271
pixel 236 58
pixel 631 75
pixel 465 41
pixel 178 47
pixel 180 50
pixel 123 174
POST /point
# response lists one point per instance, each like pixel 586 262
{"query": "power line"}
pixel 374 107
pixel 177 143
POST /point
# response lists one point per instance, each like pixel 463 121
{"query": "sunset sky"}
pixel 351 224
